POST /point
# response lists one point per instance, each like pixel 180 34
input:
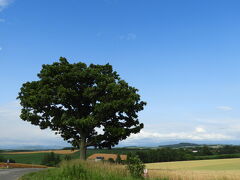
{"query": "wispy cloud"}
pixel 2 20
pixel 225 108
pixel 4 4
pixel 129 36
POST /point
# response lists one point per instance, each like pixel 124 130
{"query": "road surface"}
pixel 14 174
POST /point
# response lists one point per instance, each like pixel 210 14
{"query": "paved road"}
pixel 14 174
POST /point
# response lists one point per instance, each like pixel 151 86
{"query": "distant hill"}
pixel 19 147
pixel 181 145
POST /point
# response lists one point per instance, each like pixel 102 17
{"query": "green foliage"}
pixel 75 99
pixel 11 161
pixel 221 156
pixel 67 158
pixel 75 170
pixel 206 150
pixel 164 155
pixel 229 149
pixel 2 159
pixel 5 160
pixel 124 161
pixel 131 154
pixel 135 166
pixel 217 150
pixel 51 159
pixel 34 158
pixel 169 154
pixel 118 159
pixel 111 160
pixel 68 148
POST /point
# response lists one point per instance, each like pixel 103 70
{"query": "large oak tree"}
pixel 87 105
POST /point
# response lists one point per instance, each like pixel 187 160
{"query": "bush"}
pixel 84 170
pixel 67 158
pixel 11 161
pixel 135 167
pixel 111 160
pixel 124 161
pixel 2 159
pixel 118 159
pixel 51 159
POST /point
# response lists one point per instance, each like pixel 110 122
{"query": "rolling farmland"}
pixel 35 157
pixel 48 151
pixel 222 169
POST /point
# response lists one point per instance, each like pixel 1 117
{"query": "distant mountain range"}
pixel 181 145
pixel 18 147
pixel 171 144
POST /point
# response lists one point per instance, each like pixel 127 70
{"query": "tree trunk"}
pixel 83 149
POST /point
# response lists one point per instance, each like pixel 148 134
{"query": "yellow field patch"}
pixel 195 174
pixel 219 169
pixel 49 151
pixel 216 164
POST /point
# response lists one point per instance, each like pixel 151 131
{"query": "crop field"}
pixel 35 158
pixel 221 169
pixel 49 151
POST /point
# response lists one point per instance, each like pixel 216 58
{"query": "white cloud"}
pixel 15 131
pixel 200 130
pixel 129 36
pixel 225 108
pixel 145 137
pixel 180 135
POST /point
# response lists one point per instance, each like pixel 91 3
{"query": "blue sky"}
pixel 183 56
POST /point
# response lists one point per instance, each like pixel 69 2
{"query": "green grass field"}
pixel 26 158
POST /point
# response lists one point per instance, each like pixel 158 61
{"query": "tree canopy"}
pixel 87 105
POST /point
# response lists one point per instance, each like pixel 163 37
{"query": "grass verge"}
pixel 80 170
